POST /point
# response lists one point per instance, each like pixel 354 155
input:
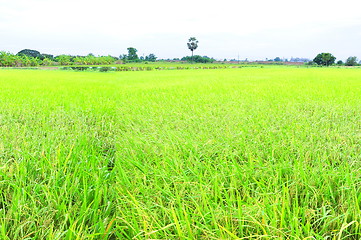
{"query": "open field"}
pixel 248 153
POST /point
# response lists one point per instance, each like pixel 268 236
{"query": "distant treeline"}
pixel 198 59
pixel 33 58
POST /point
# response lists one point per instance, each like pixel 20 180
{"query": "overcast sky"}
pixel 225 29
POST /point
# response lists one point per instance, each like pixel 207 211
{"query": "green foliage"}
pixel 48 56
pixel 92 60
pixel 351 61
pixel 198 59
pixel 133 57
pixel 339 62
pixel 192 44
pixel 123 57
pixel 28 58
pixel 31 53
pixel 150 58
pixel 311 63
pixel 277 59
pixel 64 59
pixel 7 59
pixel 132 54
pixel 325 59
pixel 21 60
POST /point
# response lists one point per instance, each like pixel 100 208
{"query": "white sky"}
pixel 254 29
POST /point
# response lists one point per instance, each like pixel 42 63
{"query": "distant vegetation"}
pixel 198 59
pixel 33 58
pixel 325 59
pixel 132 56
pixel 351 61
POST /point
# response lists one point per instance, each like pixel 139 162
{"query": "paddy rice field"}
pixel 248 153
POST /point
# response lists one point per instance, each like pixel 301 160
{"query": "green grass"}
pixel 246 153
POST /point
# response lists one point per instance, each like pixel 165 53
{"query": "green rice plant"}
pixel 233 153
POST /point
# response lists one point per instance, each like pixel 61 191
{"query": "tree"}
pixel 151 58
pixel 339 62
pixel 7 59
pixel 192 44
pixel 351 61
pixel 47 62
pixel 277 59
pixel 198 59
pixel 48 56
pixel 132 54
pixel 325 59
pixel 30 53
pixel 64 59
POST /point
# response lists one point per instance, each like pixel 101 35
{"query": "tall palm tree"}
pixel 192 44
